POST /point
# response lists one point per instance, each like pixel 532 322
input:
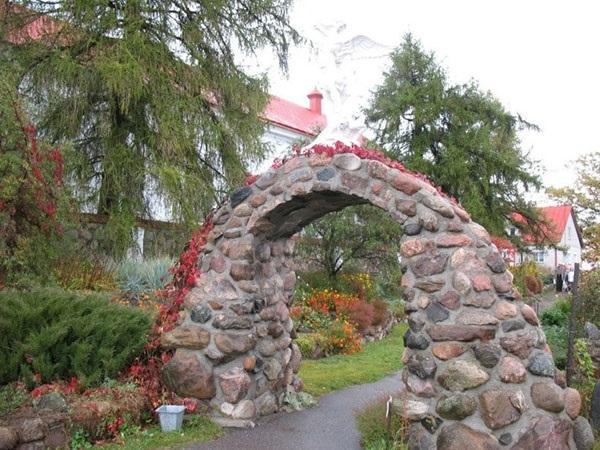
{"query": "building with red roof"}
pixel 558 242
pixel 289 123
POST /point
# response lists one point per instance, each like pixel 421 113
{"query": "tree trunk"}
pixel 572 327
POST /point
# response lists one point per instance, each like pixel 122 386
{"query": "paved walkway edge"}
pixel 331 425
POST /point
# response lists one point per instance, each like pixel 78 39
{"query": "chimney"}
pixel 314 99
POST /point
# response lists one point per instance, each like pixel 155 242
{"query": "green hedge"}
pixel 60 334
pixel 555 322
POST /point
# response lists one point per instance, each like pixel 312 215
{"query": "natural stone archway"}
pixel 477 371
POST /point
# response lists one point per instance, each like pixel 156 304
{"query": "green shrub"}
pixel 11 397
pixel 585 375
pixel 557 338
pixel 557 314
pixel 588 309
pixel 547 278
pixel 145 275
pixel 555 321
pixel 307 343
pixel 59 334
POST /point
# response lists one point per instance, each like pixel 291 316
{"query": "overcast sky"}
pixel 540 58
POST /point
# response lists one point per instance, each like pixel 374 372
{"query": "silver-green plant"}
pixel 144 275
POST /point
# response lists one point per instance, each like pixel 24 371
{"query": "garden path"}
pixel 548 297
pixel 330 425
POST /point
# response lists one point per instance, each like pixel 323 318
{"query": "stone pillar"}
pixel 477 370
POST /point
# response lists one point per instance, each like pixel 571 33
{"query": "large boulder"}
pixel 461 437
pixel 8 438
pixel 545 433
pixel 188 376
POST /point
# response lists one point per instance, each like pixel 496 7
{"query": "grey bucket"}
pixel 170 417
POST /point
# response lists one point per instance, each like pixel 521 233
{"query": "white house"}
pixel 561 245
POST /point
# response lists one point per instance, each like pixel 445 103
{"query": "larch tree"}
pixel 149 94
pixel 463 139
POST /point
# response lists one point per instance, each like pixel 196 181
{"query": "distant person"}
pixel 558 278
pixel 561 282
pixel 570 279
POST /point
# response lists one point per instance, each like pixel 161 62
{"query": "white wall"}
pixel 280 141
pixel 570 240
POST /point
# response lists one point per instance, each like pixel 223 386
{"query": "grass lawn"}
pixel 377 360
pixel 196 429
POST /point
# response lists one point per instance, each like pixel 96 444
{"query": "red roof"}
pixel 286 114
pixel 556 218
pixel 35 28
pixel 502 243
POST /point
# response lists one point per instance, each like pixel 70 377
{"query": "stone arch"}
pixel 477 367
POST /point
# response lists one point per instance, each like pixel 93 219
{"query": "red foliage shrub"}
pixel 338 305
pixel 361 315
pixel 533 284
pixel 72 387
pixel 380 312
pixel 340 337
pixel 31 179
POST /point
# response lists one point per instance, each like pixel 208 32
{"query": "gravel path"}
pixel 330 425
pixel 548 297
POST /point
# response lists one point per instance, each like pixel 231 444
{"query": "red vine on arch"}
pixel 341 148
pixel 146 369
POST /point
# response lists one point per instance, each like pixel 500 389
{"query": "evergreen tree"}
pixel 150 95
pixel 461 137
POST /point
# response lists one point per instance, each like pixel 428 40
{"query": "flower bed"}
pixel 331 321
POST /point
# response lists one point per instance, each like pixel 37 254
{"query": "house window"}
pixel 513 231
pixel 538 256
